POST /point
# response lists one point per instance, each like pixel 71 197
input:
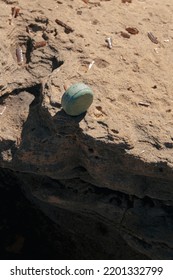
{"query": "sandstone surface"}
pixel 113 164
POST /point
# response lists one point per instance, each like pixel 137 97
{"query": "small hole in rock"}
pixel 168 145
pixel 80 169
pixel 79 13
pixel 99 108
pixel 56 63
pixel 96 157
pixel 115 131
pixel 35 27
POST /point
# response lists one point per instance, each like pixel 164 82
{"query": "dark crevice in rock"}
pixel 35 27
pixel 80 169
pixel 29 49
pixel 56 63
pixel 148 221
pixel 27 233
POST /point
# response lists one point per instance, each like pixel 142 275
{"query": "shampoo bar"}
pixel 77 99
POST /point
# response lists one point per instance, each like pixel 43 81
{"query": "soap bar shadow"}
pixel 62 114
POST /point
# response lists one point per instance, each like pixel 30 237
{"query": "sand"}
pixel 132 80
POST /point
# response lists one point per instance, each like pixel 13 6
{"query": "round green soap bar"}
pixel 77 99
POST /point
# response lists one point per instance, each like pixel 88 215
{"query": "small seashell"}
pixel 125 35
pixel 109 42
pixel 91 65
pixel 15 12
pixel 77 99
pixel 153 38
pixel 3 110
pixel 39 44
pixel 19 55
pixel 132 30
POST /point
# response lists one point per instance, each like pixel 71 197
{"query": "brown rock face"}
pixel 112 165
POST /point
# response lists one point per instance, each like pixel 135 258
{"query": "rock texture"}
pixel 115 163
pixel 26 233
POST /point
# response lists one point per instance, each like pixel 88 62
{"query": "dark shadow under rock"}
pixel 26 233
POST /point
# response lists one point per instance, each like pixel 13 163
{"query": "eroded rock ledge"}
pixel 109 163
pixel 27 233
pixel 94 177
